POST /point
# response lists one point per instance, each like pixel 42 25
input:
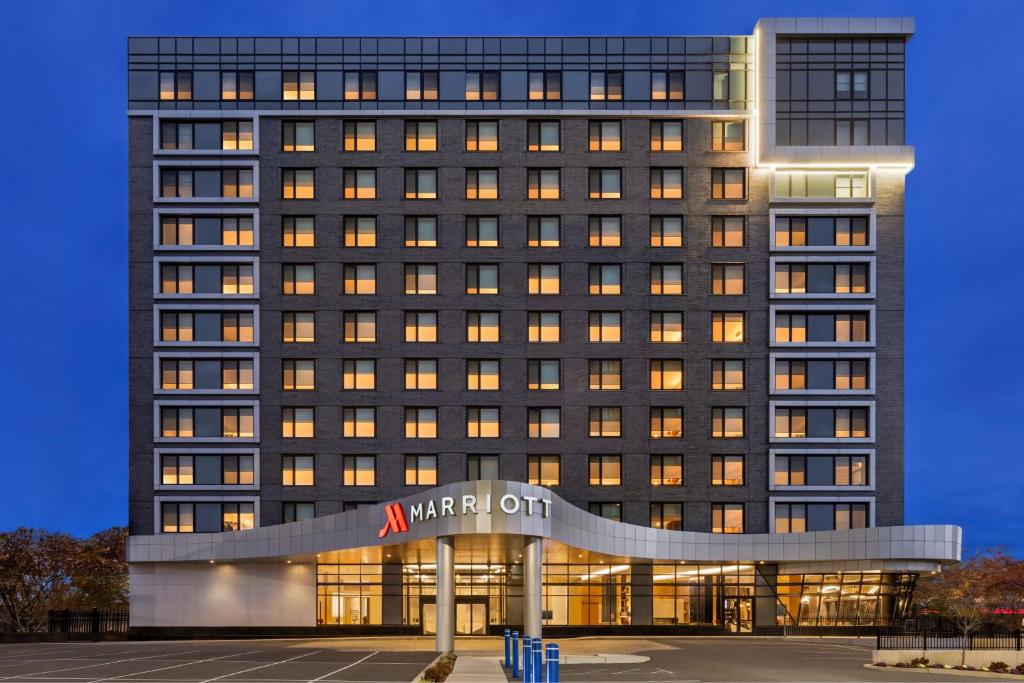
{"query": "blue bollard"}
pixel 552 662
pixel 538 664
pixel 515 654
pixel 508 635
pixel 527 658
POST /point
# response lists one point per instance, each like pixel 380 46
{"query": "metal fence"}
pixel 948 640
pixel 88 621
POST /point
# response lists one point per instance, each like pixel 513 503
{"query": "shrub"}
pixel 441 669
pixel 999 666
pixel 919 661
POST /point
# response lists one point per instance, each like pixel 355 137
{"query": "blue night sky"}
pixel 63 356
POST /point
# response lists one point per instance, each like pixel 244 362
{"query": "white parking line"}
pixel 89 666
pixel 63 659
pixel 349 666
pixel 243 671
pixel 165 668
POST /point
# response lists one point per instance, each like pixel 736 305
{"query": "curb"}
pixel 956 672
pixel 419 677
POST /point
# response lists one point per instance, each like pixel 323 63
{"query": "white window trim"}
pixel 870 260
pixel 227 260
pixel 870 500
pixel 159 164
pixel 774 452
pixel 179 403
pixel 206 355
pixel 158 502
pixel 822 355
pixel 253 308
pixel 216 450
pixel 871 213
pixel 217 115
pixel 773 405
pixel 160 212
pixel 831 308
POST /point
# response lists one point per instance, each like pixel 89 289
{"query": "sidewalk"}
pixel 477 670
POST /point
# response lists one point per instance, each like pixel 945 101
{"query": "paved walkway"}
pixel 477 670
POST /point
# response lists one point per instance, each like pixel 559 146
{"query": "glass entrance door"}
pixel 738 615
pixel 470 617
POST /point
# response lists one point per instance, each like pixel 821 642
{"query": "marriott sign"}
pixel 450 506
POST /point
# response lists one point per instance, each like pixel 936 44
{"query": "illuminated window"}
pixel 421 85
pixel 727 470
pixel 360 136
pixel 297 136
pixel 360 85
pixel 421 136
pixel 821 278
pixel 176 85
pixel 666 470
pixel 728 136
pixel 821 231
pixel 298 278
pixel 820 185
pixel 359 278
pixel 543 136
pixel 543 183
pixel 605 183
pixel 543 231
pixel 176 182
pixel 605 231
pixel 667 516
pixel 483 375
pixel 178 470
pixel 668 85
pixel 544 278
pixel 821 470
pixel 728 183
pixel 358 470
pixel 297 512
pixel 543 423
pixel 483 326
pixel 605 85
pixel 543 375
pixel 483 423
pixel 359 374
pixel 481 183
pixel 728 231
pixel 727 278
pixel 359 231
pixel 666 183
pixel 728 327
pixel 727 518
pixel 298 183
pixel 359 423
pixel 612 511
pixel 421 423
pixel 421 183
pixel 730 85
pixel 545 85
pixel 360 183
pixel 604 470
pixel 544 326
pixel 483 85
pixel 177 374
pixel 482 467
pixel 666 327
pixel 297 470
pixel 482 278
pixel 605 375
pixel 816 423
pixel 236 85
pixel 666 423
pixel 544 470
pixel 421 374
pixel 298 231
pixel 298 327
pixel 666 375
pixel 236 182
pixel 421 326
pixel 177 518
pixel 298 375
pixel 421 470
pixel 420 231
pixel 727 375
pixel 605 136
pixel 605 279
pixel 359 327
pixel 297 423
pixel 605 422
pixel 667 231
pixel 482 231
pixel 666 136
pixel 420 278
pixel 727 423
pixel 481 136
pixel 236 135
pixel 667 279
pixel 605 326
pixel 298 85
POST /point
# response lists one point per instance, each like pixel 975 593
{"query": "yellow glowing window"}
pixel 298 278
pixel 360 136
pixel 605 279
pixel 543 231
pixel 360 278
pixel 483 326
pixel 421 423
pixel 667 231
pixel 236 85
pixel 298 85
pixel 297 423
pixel 359 375
pixel 421 374
pixel 421 183
pixel 483 423
pixel 360 231
pixel 360 183
pixel 666 136
pixel 298 327
pixel 359 470
pixel 727 422
pixel 236 135
pixel 605 375
pixel 544 423
pixel 666 183
pixel 360 328
pixel 728 136
pixel 297 470
pixel 667 423
pixel 481 136
pixel 667 279
pixel 727 375
pixel 420 278
pixel 727 278
pixel 421 231
pixel 728 231
pixel 667 327
pixel 482 183
pixel 605 326
pixel 727 470
pixel 543 136
pixel 667 470
pixel 666 375
pixel 421 136
pixel 605 136
pixel 544 278
pixel 544 327
pixel 359 423
pixel 421 326
pixel 298 231
pixel 727 327
pixel 544 470
pixel 543 183
pixel 298 136
pixel 605 231
pixel 605 183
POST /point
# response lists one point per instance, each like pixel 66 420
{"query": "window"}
pixel 482 231
pixel 727 470
pixel 236 135
pixel 359 423
pixel 481 136
pixel 359 374
pixel 822 327
pixel 178 422
pixel 483 423
pixel 206 469
pixel 481 183
pixel 421 183
pixel 729 85
pixel 727 423
pixel 543 136
pixel 420 374
pixel 297 512
pixel 298 327
pixel 298 183
pixel 543 375
pixel 544 326
pixel 483 85
pixel 605 470
pixel 666 423
pixel 667 279
pixel 177 135
pixel 545 85
pixel 728 231
pixel 421 85
pixel 360 183
pixel 543 183
pixel 298 278
pixel 483 375
pixel 821 278
pixel 668 85
pixel 727 278
pixel 298 375
pixel 605 422
pixel 482 278
pixel 605 326
pixel 820 185
pixel 176 85
pixel 421 136
pixel 421 278
pixel 421 423
pixel 666 183
pixel 605 279
pixel 360 278
pixel 421 326
pixel 358 470
pixel 360 231
pixel 605 374
pixel 851 132
pixel 728 183
pixel 543 423
pixel 298 85
pixel 297 423
pixel 360 85
pixel 666 470
pixel 420 231
pixel 667 327
pixel 544 278
pixel 666 375
pixel 728 327
pixel 821 231
pixel 605 85
pixel 666 136
pixel 605 183
pixel 728 136
pixel 482 467
pixel 851 85
pixel 226 182
pixel 297 136
pixel 727 375
pixel 359 327
pixel 821 423
pixel 236 85
pixel 483 326
pixel 605 136
pixel 821 470
pixel 297 470
pixel 421 470
pixel 798 375
pixel 186 518
pixel 795 518
pixel 667 516
pixel 298 231
pixel 727 518
pixel 612 511
pixel 360 136
pixel 213 326
pixel 667 231
pixel 605 231
pixel 543 231
pixel 544 470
